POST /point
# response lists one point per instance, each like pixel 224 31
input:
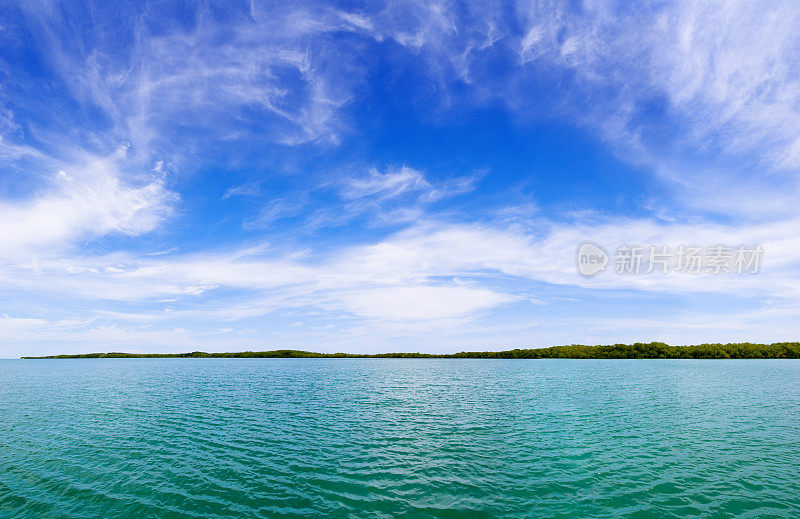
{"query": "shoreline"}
pixel 653 350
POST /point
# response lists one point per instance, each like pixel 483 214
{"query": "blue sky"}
pixel 402 176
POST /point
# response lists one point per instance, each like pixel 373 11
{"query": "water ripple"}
pixel 399 438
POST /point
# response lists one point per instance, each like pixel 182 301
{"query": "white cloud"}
pixel 248 189
pixel 420 268
pixel 434 280
pixel 377 187
pixel 83 201
pixel 387 185
pixel 710 84
pixel 36 336
pixel 422 303
pixel 705 94
pixel 732 68
pixel 275 210
pixel 272 68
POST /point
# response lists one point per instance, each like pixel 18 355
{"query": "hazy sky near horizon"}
pixel 391 176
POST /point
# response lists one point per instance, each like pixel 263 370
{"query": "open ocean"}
pixel 399 438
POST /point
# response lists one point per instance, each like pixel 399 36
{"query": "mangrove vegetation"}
pixel 652 350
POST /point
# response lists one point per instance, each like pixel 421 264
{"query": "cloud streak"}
pixel 83 201
pixel 260 118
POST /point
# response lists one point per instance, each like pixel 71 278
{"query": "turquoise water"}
pixel 399 438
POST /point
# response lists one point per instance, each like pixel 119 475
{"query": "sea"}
pixel 399 438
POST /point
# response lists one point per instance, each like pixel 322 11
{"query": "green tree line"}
pixel 639 350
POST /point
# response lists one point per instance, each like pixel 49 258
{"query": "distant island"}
pixel 652 350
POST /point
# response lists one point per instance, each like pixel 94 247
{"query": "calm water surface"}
pixel 399 438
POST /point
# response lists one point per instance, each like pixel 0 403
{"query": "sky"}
pixel 393 176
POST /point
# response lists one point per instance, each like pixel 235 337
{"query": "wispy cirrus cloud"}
pixel 701 93
pixel 437 278
pixel 247 189
pixel 246 68
pixel 702 96
pixel 83 201
pixel 448 258
pixel 276 210
pixel 400 182
pixel 397 195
